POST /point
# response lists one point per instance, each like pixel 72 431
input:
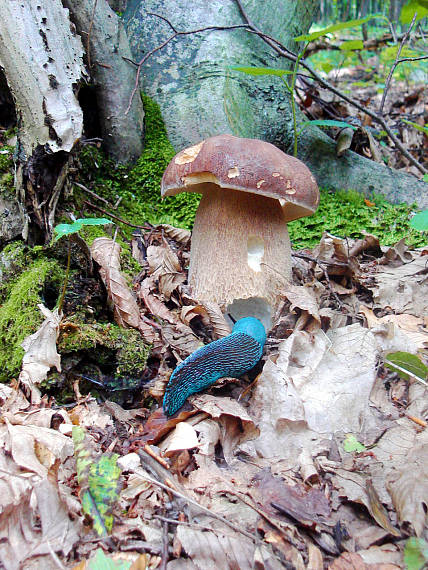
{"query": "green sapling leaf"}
pixel 420 221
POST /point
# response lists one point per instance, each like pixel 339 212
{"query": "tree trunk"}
pixel 42 59
pixel 102 30
pixel 43 63
pixel 200 95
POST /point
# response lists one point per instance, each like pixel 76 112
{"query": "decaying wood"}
pixel 42 58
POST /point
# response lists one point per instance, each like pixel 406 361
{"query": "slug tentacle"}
pixel 233 355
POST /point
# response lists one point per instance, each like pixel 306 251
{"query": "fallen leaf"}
pixel 21 538
pixel 40 353
pixel 183 437
pixel 25 443
pixel 165 267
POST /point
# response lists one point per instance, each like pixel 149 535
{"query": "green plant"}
pixel 416 553
pixel 420 221
pixel 407 364
pixel 62 230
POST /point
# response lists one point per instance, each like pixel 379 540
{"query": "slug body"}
pixel 233 356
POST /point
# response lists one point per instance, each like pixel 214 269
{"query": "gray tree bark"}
pixel 200 95
pixel 43 63
pixel 101 29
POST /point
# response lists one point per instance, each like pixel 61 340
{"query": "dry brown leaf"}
pixel 22 537
pixel 165 268
pixel 183 437
pixel 218 322
pixel 90 414
pixel 344 140
pixel 40 353
pixel 353 561
pixel 303 298
pixel 404 288
pixel 334 251
pixel 319 384
pixel 35 448
pixel 410 491
pixel 413 327
pixel 397 255
pixel 210 550
pixel 307 505
pixel 177 234
pixel 181 339
pixel 107 254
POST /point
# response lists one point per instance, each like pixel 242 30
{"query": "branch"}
pixel 284 52
pixel 174 35
pixel 397 59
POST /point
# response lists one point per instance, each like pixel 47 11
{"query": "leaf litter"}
pixel 257 472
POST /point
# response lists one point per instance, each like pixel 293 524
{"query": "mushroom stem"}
pixel 240 247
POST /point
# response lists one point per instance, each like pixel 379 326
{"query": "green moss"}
pixel 139 187
pixel 20 316
pixel 346 214
pixel 6 170
pixel 13 260
pixel 113 345
pixel 342 213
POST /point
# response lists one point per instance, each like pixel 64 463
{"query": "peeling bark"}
pixel 42 58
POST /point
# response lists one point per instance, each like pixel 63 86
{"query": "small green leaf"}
pixel 415 553
pixel 425 177
pixel 263 71
pixel 351 45
pixel 336 28
pixel 103 562
pixel 351 444
pixel 412 7
pixel 94 221
pixel 62 230
pixel 405 364
pixel 420 221
pixel 326 123
pixel 416 126
pixel 99 480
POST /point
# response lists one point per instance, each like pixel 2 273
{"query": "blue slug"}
pixel 233 355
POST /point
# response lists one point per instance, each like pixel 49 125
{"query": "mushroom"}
pixel 240 254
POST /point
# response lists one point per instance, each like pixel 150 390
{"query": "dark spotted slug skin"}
pixel 233 356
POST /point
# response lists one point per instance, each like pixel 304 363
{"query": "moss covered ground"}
pixel 19 314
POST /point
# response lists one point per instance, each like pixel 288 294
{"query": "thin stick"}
pixel 92 193
pixel 122 221
pixel 67 272
pixel 283 51
pixel 169 489
pixel 394 65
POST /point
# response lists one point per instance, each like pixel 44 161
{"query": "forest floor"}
pixel 317 460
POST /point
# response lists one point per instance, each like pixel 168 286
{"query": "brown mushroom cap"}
pixel 247 165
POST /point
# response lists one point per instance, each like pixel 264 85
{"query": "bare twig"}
pixel 121 220
pixel 92 193
pixel 283 51
pixel 321 265
pixel 189 500
pixel 394 65
pixel 174 35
